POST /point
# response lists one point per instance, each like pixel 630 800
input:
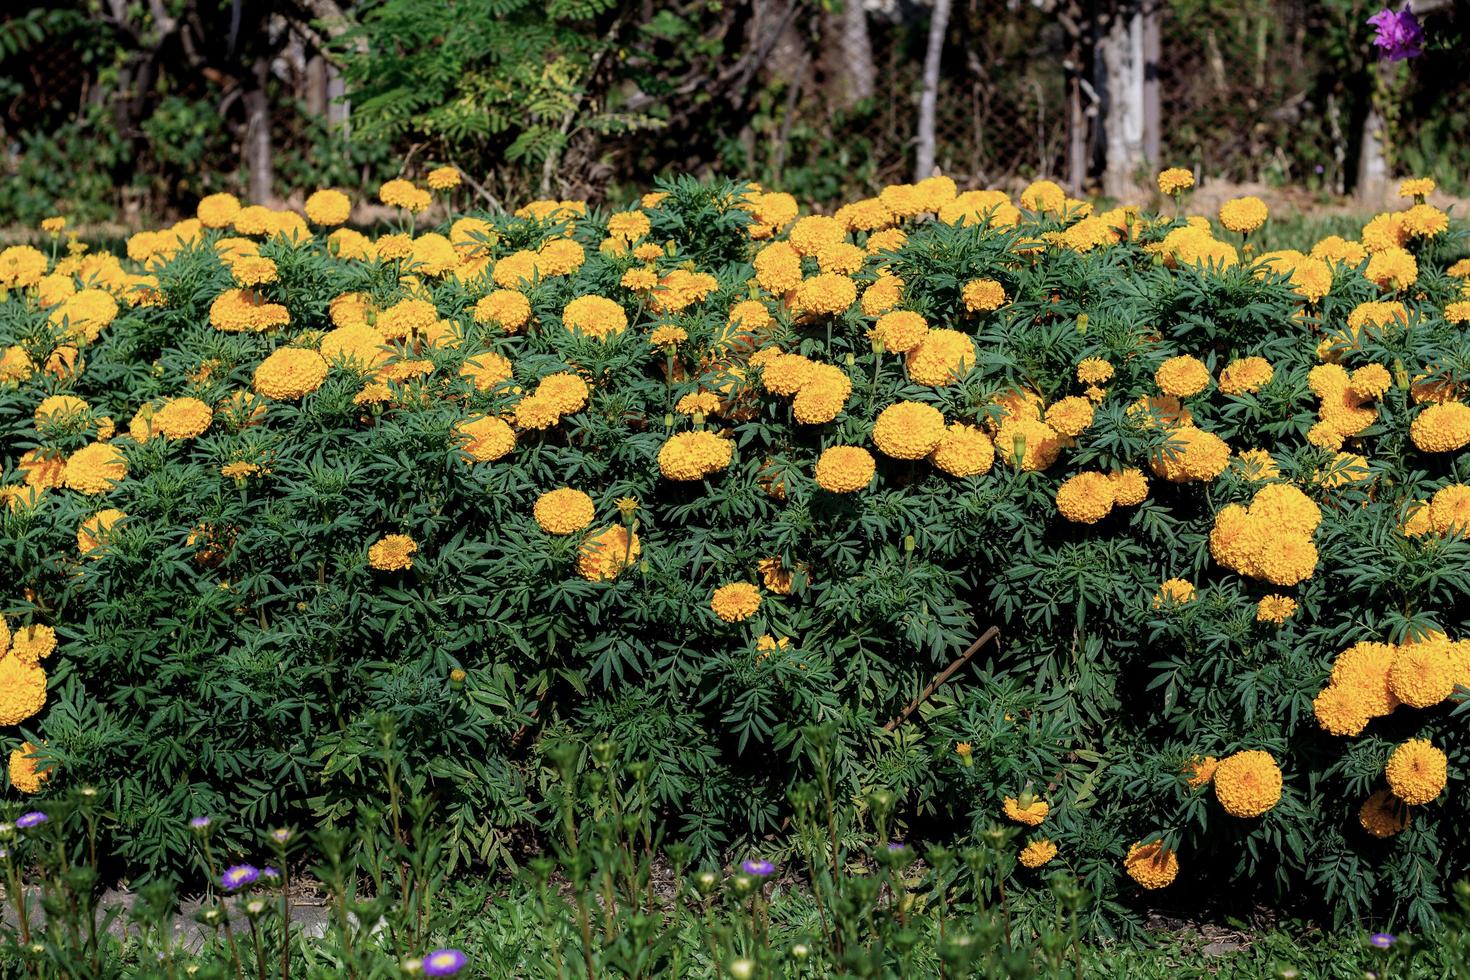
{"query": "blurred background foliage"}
pixel 140 108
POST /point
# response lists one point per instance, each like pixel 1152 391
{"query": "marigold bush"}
pixel 512 478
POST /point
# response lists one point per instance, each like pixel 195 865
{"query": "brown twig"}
pixel 944 676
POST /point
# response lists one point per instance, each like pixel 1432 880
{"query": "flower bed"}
pixel 695 475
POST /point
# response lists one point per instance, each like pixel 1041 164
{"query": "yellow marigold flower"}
pixel 358 347
pixel 1384 815
pixel 1248 783
pixel 784 374
pixel 680 289
pixel 1199 771
pixel 1423 673
pixel 443 178
pixel 400 193
pixel 239 470
pixel 1037 853
pixel 1044 195
pixel 433 255
pixel 85 314
pixel 1441 428
pixel 1275 609
pixel 595 316
pixel 506 308
pixel 1449 509
pixel 869 214
pixel 899 331
pixel 245 311
pixel 1460 270
pixel 1151 865
pixel 1416 187
pixel 983 295
pixel 1336 250
pixel 533 412
pixel 182 418
pixel 53 225
pixel 97 530
pixel 1243 214
pixel 778 268
pixel 825 294
pixel 1175 180
pixel 1246 376
pixel 1094 371
pixel 328 208
pixel 735 602
pixel 964 451
pixel 1085 498
pixel 21 266
pixel 822 396
pixel 1424 221
pixel 908 430
pixel 1031 813
pixel 290 373
pixel 607 552
pixel 887 240
pixel 1174 592
pixel 694 455
pixel 1071 416
pixel 31 644
pixel 253 270
pixel 485 439
pixel 1417 772
pixel 1393 269
pixel 1370 381
pixel 1182 376
pixel 775 576
pixel 942 358
pixel 217 210
pixel 841 258
pixel 1457 312
pixel 15 364
pixel 884 294
pixel 844 469
pixel 628 226
pixel 698 403
pixel 563 511
pixel 1027 443
pixel 24 773
pixel 95 469
pixel 668 337
pixel 639 280
pixel 1340 710
pixel 565 391
pixel 60 410
pixel 393 553
pixel 1130 487
pixel 1197 456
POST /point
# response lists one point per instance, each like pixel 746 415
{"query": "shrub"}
pixel 296 482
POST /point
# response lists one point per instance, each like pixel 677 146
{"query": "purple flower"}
pixel 1399 34
pixel 238 876
pixel 269 873
pixel 896 845
pixel 444 963
pixel 200 823
pixel 28 820
pixel 1382 940
pixel 758 867
pixel 281 835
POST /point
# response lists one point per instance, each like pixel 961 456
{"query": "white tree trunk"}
pixel 929 95
pixel 849 57
pixel 259 156
pixel 1373 176
pixel 1121 53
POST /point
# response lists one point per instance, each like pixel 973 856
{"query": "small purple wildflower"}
pixel 1382 940
pixel 269 873
pixel 200 823
pixel 758 867
pixel 281 835
pixel 1399 34
pixel 28 820
pixel 238 876
pixel 896 845
pixel 444 963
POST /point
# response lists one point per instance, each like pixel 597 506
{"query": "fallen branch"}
pixel 943 677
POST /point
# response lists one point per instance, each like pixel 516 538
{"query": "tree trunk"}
pixel 848 56
pixel 929 95
pixel 1153 115
pixel 1373 177
pixel 1121 61
pixel 316 86
pixel 259 162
